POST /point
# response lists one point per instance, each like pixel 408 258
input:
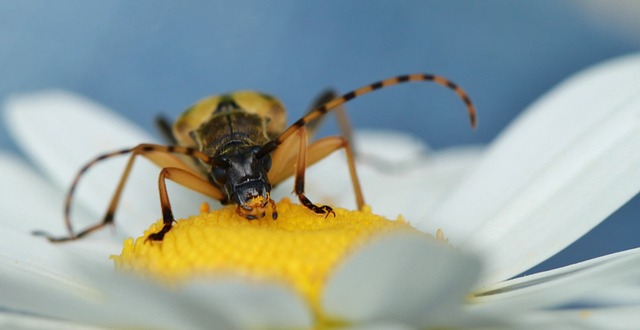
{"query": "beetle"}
pixel 241 147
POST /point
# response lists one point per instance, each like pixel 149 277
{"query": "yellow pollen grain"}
pixel 204 208
pixel 300 248
pixel 256 201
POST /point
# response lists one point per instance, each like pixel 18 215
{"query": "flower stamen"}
pixel 299 248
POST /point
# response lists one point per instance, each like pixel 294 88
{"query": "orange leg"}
pixel 187 179
pixel 159 155
pixel 341 115
pixel 288 161
pixel 322 148
pixel 300 172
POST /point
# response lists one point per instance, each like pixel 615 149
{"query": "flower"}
pixel 568 162
pixel 300 248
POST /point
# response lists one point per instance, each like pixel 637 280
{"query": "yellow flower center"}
pixel 300 248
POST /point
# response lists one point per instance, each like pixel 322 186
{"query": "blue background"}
pixel 147 57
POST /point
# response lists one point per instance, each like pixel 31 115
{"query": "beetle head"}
pixel 243 176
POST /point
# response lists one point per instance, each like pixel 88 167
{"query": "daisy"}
pixel 562 167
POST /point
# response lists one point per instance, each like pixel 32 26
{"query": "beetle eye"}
pixel 255 149
pixel 221 162
pixel 266 159
pixel 219 169
pixel 266 162
pixel 219 175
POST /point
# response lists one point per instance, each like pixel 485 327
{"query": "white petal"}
pixel 132 302
pixel 564 166
pixel 413 191
pixel 20 321
pixel 380 326
pixel 570 284
pixel 31 204
pixel 29 254
pixel 61 132
pixel 36 287
pixel 401 278
pixel 394 148
pixel 34 279
pixel 623 318
pixel 28 201
pixel 615 295
pixel 251 305
pixel 42 278
pixel 126 302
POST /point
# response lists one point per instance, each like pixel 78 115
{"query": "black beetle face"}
pixel 243 176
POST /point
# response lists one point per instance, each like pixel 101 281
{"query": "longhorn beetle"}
pixel 240 149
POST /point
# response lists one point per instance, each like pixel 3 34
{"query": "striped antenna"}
pixel 325 108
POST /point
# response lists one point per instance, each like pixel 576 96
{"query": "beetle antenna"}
pixel 325 108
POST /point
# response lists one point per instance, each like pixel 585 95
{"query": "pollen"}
pixel 299 249
pixel 256 201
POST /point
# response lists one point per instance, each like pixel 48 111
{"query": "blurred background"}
pixel 147 57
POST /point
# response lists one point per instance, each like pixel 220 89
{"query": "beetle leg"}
pixel 341 115
pixel 317 151
pixel 322 148
pixel 184 178
pixel 324 97
pixel 299 178
pixel 164 127
pixel 158 154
